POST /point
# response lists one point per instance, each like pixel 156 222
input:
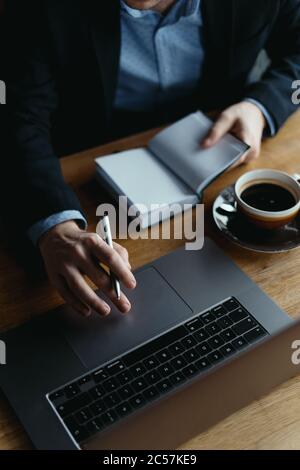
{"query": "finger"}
pixel 255 146
pixel 85 293
pixel 63 289
pixel 113 260
pixel 220 128
pixel 102 280
pixel 254 152
pixel 123 253
pixel 237 164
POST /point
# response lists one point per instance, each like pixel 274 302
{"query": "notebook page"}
pixel 178 147
pixel 144 179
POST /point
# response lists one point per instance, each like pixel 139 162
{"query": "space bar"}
pixel 153 346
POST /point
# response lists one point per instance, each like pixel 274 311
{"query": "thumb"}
pixel 224 124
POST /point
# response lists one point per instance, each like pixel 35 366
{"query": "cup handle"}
pixel 296 177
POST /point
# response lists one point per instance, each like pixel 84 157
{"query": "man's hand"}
pixel 245 121
pixel 70 254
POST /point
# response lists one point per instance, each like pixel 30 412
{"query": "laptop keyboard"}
pixel 101 398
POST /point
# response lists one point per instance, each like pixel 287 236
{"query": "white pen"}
pixel 108 239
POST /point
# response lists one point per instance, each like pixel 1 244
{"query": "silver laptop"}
pixel 202 340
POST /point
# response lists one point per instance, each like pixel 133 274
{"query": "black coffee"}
pixel 268 197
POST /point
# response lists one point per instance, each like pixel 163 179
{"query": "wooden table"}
pixel 270 423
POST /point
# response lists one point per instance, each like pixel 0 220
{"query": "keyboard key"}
pixel 231 304
pixel 59 394
pixel 137 370
pixel 213 328
pixel 191 355
pixel 71 390
pixel 178 363
pixel 244 326
pixel 80 433
pixel 224 322
pixel 239 343
pixel 139 384
pixel 100 375
pixel 151 362
pixel 165 370
pixel 227 350
pixel 97 392
pixel 110 385
pixel 153 377
pixel 215 342
pixel 194 325
pixel 215 357
pixel 71 423
pixel 74 404
pixel 188 342
pixel 109 417
pixel 137 401
pixel 85 380
pixel 228 335
pixel 190 370
pixel 112 399
pixel 83 415
pixel 164 385
pixel 177 378
pixel 255 334
pixel 98 408
pixel 126 392
pixel 151 393
pixel 124 377
pixel 202 364
pixel 115 368
pixel 155 345
pixel 176 348
pixel 219 311
pixel 95 426
pixel 203 349
pixel 164 355
pixel 124 409
pixel 201 335
pixel 238 315
pixel 208 317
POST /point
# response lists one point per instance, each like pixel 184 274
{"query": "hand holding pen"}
pixel 71 255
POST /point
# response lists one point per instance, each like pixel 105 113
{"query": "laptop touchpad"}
pixel 155 307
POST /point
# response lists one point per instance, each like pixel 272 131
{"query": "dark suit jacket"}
pixel 61 71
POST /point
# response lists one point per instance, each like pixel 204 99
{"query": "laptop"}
pixel 202 341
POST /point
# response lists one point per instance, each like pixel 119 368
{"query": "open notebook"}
pixel 172 171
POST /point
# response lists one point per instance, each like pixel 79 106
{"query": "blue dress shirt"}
pixel 161 60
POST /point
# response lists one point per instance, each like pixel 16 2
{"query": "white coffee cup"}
pixel 268 219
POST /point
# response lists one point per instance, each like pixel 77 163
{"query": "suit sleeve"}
pixel 34 185
pixel 274 91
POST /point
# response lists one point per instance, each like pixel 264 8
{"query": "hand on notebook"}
pixel 245 121
pixel 69 254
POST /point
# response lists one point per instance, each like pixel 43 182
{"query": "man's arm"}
pixel 274 90
pixel 41 227
pixel 35 189
pixel 273 93
pixel 30 161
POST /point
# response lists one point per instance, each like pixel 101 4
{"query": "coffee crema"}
pixel 268 197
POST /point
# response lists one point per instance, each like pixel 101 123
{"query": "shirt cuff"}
pixel 270 121
pixel 39 228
